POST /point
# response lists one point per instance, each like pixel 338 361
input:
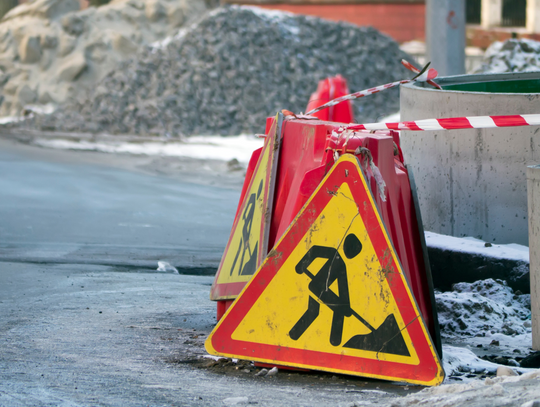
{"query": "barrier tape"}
pixel 363 154
pixel 414 69
pixel 424 75
pixel 454 123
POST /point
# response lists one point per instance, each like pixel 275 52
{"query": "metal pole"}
pixel 533 198
pixel 445 36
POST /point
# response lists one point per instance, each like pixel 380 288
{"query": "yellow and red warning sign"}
pixel 331 295
pixel 248 242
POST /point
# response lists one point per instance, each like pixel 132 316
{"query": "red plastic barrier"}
pixel 327 90
pixel 307 153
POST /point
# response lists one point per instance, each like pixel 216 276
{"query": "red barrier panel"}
pixel 327 90
pixel 307 154
pixel 308 151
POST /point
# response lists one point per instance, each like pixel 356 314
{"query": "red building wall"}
pixel 403 22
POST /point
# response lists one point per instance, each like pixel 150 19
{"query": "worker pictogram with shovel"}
pixel 249 266
pixel 387 338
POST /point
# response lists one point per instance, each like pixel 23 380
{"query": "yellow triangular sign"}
pixel 248 242
pixel 331 294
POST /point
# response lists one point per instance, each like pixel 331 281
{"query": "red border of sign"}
pixel 429 370
pixel 227 291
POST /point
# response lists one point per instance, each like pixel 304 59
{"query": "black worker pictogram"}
pixel 387 338
pixel 249 266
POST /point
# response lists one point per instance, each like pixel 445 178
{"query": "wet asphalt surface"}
pixel 85 318
pixel 77 212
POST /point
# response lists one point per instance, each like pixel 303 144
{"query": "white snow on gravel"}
pixel 269 13
pixel 498 391
pixel 462 360
pixel 513 55
pixel 482 309
pixel 488 316
pixel 10 119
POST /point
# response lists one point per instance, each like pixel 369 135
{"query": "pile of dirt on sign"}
pixel 51 51
pixel 513 55
pixel 228 72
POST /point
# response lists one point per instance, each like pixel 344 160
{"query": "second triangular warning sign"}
pixel 248 242
pixel 331 295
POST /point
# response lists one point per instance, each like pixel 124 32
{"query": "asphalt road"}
pixel 85 318
pixel 72 211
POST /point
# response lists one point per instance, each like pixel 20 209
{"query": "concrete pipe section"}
pixel 473 182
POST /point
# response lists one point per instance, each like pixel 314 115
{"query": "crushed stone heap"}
pixel 51 51
pixel 513 55
pixel 227 73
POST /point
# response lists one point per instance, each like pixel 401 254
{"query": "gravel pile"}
pixel 227 73
pixel 511 56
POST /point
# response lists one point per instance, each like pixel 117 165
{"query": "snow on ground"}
pixel 513 55
pixel 483 309
pixel 521 391
pixel 488 317
pixel 10 119
pixel 201 147
pixel 475 246
pixel 459 361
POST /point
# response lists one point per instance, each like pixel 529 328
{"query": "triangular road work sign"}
pixel 248 242
pixel 331 294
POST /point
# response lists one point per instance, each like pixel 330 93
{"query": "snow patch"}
pixel 200 147
pixel 216 358
pixel 514 55
pixel 476 246
pixel 268 14
pixel 10 119
pixel 483 308
pixel 235 401
pixel 494 392
pixel 483 312
pixel 48 108
pixel 166 267
pixel 458 361
pixel 285 19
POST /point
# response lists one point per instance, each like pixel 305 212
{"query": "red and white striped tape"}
pixel 357 95
pixel 424 75
pixel 414 69
pixel 454 123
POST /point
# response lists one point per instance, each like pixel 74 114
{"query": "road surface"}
pixel 85 317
